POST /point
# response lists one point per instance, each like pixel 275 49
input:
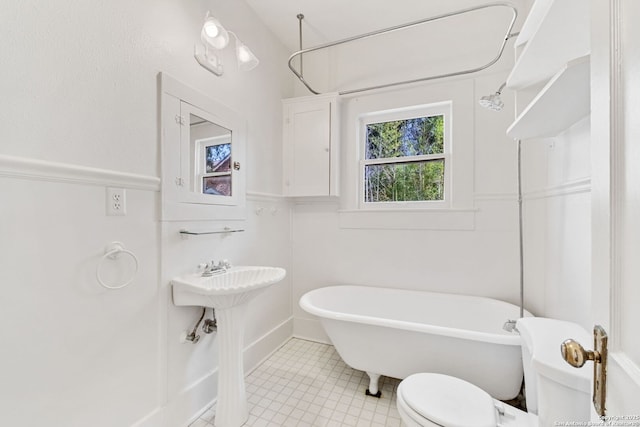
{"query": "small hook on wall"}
pixel 272 210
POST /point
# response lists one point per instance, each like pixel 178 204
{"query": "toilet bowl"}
pixel 435 400
pixel 557 392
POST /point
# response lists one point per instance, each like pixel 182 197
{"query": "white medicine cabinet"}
pixel 203 152
pixel 310 146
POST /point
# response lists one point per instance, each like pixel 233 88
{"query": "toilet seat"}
pixel 446 401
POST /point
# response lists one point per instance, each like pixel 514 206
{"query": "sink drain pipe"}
pixel 209 326
pixel 193 337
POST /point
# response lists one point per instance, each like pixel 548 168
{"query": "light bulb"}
pixel 211 29
pixel 246 59
pixel 214 34
pixel 243 54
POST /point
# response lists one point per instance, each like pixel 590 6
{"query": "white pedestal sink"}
pixel 228 293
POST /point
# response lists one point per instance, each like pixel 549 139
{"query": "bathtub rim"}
pixel 488 337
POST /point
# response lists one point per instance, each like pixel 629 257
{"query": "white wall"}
pixel 557 225
pixel 74 353
pixel 481 259
pixel 79 114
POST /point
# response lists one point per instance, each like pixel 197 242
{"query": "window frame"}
pixel 424 110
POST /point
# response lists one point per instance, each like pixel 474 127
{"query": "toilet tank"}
pixel 555 391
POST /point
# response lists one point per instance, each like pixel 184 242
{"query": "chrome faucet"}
pixel 510 326
pixel 212 268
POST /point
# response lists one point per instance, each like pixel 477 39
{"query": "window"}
pixel 216 178
pixel 405 157
pixel 455 102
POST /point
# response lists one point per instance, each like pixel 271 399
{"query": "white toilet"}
pixel 555 391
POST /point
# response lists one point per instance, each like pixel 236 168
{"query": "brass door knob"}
pixel 576 355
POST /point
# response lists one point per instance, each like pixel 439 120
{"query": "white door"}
pixel 615 142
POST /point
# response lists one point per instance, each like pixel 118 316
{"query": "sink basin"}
pixel 224 290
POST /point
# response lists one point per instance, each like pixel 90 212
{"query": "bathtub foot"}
pixel 368 393
pixel 373 385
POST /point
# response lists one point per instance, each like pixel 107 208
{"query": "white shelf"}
pixel 537 13
pixel 561 103
pixel 225 230
pixel 555 32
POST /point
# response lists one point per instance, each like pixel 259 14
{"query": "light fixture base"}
pixel 208 60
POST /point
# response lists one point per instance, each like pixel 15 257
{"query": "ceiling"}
pixel 331 20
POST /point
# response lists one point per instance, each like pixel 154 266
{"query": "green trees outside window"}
pixel 405 160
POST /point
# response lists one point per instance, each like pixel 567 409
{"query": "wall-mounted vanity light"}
pixel 215 38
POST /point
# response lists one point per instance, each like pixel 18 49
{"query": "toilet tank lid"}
pixel 543 337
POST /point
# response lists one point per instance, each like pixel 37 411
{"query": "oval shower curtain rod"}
pixel 507 36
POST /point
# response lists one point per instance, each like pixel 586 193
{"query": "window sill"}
pixel 409 219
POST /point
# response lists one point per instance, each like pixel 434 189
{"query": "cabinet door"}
pixel 308 148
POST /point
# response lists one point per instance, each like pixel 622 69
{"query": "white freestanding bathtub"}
pixel 397 333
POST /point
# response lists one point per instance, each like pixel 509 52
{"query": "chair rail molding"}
pixel 576 186
pixel 43 170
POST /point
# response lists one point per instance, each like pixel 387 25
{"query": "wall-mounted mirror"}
pixel 202 155
pixel 212 157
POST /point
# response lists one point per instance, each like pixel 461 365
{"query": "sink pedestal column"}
pixel 231 408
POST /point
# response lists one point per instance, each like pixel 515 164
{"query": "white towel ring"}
pixel 113 251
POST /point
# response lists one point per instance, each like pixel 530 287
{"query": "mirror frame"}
pixel 179 201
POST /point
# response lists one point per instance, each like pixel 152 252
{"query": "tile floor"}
pixel 307 384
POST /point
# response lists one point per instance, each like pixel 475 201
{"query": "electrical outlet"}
pixel 116 201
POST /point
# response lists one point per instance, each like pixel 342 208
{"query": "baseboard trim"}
pixel 154 419
pixel 310 330
pixel 260 350
pixel 188 405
